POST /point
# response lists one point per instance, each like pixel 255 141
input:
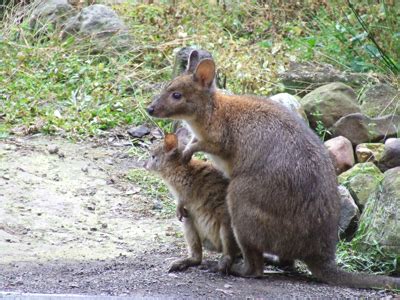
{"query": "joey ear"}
pixel 193 60
pixel 205 72
pixel 170 142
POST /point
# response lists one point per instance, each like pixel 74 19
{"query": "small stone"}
pixel 341 152
pixel 5 177
pixel 391 155
pixel 109 161
pixel 10 147
pixel 157 205
pixel 53 149
pixel 369 152
pixel 85 169
pixel 93 229
pixel 139 131
pixel 61 155
pixel 227 286
pixel 156 133
pixel 104 225
pixel 91 207
pixel 348 210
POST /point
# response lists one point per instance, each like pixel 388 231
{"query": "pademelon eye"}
pixel 176 95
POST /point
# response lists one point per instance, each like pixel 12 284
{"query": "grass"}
pixel 68 90
pixel 61 87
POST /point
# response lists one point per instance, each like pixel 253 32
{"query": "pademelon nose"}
pixel 150 110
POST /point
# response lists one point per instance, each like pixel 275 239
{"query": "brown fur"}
pixel 282 196
pixel 200 191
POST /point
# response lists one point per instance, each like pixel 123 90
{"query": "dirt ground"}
pixel 71 223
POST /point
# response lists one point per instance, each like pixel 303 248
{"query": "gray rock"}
pixel 382 214
pixel 53 149
pixel 101 24
pixel 349 210
pixel 291 102
pixel 157 205
pixel 380 99
pixel 301 78
pixel 54 12
pixel 341 152
pixel 156 133
pixel 139 131
pixel 391 155
pixel 361 181
pixel 329 103
pixel 182 56
pixel 359 128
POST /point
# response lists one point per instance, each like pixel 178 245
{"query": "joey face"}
pixel 165 156
pixel 187 95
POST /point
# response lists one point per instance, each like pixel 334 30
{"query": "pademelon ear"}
pixel 205 72
pixel 193 60
pixel 170 142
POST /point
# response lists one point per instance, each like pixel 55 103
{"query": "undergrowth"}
pixel 57 86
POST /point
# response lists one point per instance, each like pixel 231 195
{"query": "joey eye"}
pixel 176 95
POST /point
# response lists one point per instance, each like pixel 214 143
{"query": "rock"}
pixel 53 149
pixel 291 102
pixel 157 205
pixel 139 131
pixel 341 152
pixel 348 212
pixel 156 133
pixel 382 215
pixel 303 77
pixel 182 56
pixel 55 12
pixel 369 152
pixel 101 24
pixel 380 99
pixel 359 128
pixel 391 155
pixel 361 181
pixel 329 103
